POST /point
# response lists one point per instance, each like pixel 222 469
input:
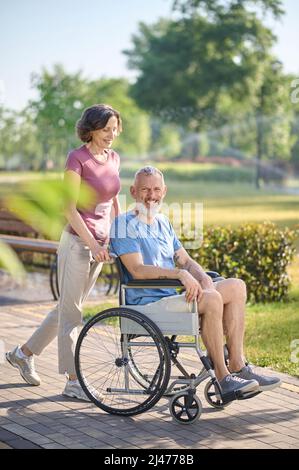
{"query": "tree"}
pixel 273 117
pixel 193 60
pixel 19 147
pixel 7 133
pixel 294 98
pixel 166 140
pixel 214 51
pixel 59 104
pixel 61 100
pixel 218 8
pixel 135 138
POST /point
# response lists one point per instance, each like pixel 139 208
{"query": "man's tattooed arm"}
pixel 179 261
pixel 185 262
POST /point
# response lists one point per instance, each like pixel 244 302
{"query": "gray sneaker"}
pixel 231 383
pixel 74 390
pixel 25 366
pixel 265 383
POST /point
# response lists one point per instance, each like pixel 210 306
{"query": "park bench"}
pixel 24 238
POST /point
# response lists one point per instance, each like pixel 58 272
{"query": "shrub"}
pixel 257 253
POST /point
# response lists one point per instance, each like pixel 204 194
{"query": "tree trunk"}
pixel 259 151
pixel 195 148
pixel 259 138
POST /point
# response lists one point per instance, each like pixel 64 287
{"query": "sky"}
pixel 90 36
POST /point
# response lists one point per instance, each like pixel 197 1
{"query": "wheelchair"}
pixel 125 359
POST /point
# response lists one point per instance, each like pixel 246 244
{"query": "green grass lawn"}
pixel 233 203
pixel 91 311
pixel 270 329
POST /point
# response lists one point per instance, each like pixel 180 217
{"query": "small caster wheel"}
pixel 212 398
pixel 185 407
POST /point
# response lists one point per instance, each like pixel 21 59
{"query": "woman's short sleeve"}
pixel 73 163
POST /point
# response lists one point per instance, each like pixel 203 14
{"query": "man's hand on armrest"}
pixel 134 264
pixel 193 288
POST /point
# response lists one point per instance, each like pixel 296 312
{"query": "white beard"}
pixel 150 212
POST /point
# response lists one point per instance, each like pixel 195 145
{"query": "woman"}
pixel 83 244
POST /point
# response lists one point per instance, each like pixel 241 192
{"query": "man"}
pixel 149 249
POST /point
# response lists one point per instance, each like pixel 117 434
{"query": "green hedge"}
pixel 257 253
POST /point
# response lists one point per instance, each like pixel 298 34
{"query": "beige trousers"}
pixel 77 274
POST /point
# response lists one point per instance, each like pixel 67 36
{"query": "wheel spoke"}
pixel 179 405
pixel 190 415
pixel 193 407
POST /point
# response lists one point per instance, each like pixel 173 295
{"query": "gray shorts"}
pixel 172 303
pixel 173 315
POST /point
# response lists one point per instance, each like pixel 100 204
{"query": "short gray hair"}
pixel 149 170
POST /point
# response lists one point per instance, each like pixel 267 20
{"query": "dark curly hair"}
pixel 95 117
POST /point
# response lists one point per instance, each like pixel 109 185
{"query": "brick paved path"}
pixel 42 417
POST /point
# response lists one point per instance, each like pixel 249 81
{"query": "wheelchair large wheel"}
pixel 108 348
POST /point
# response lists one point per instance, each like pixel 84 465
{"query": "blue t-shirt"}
pixel 156 242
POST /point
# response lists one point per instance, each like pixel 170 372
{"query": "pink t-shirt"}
pixel 103 178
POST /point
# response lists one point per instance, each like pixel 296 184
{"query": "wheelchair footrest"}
pixel 238 395
pixel 228 397
pixel 245 396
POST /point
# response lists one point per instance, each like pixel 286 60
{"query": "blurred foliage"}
pixel 257 253
pixel 10 262
pixel 41 204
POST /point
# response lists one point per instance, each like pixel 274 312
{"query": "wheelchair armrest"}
pixel 155 283
pixel 213 274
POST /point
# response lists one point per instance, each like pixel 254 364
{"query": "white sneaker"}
pixel 74 390
pixel 25 366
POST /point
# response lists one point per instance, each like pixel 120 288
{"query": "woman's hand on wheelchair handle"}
pixel 100 253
